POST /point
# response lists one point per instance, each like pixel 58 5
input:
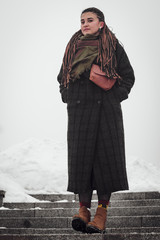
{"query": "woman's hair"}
pixel 99 14
pixel 106 49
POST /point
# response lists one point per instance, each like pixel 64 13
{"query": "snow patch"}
pixel 142 176
pixel 33 167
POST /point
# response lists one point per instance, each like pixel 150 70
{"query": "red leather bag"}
pixel 99 78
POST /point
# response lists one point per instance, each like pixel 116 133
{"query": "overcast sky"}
pixel 33 37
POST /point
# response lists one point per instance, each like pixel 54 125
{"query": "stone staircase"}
pixel 131 216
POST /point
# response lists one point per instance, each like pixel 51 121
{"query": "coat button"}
pixel 78 101
pixel 99 101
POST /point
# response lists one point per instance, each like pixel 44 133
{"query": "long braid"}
pixel 106 52
pixel 68 57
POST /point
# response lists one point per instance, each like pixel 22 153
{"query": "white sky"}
pixel 33 37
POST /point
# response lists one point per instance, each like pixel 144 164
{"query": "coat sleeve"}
pixel 62 88
pixel 125 70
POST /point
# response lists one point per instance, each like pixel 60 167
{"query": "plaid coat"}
pixel 96 151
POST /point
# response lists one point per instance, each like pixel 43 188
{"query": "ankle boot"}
pixel 80 220
pixel 99 222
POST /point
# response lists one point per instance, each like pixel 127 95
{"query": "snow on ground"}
pixel 40 166
pixel 142 176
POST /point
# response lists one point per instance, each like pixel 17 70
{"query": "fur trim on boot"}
pixel 80 220
pixel 98 224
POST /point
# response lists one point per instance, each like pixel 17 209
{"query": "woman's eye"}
pixel 90 20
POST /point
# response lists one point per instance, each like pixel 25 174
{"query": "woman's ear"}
pixel 101 24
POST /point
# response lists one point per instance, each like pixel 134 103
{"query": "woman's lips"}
pixel 86 29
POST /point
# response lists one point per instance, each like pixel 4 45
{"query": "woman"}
pixel 96 155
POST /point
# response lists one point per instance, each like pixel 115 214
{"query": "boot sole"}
pixel 92 229
pixel 79 225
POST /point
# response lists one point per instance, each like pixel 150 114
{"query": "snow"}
pixel 4 208
pixel 40 166
pixel 62 201
pixel 34 166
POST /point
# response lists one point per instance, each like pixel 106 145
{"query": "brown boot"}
pixel 80 220
pixel 99 222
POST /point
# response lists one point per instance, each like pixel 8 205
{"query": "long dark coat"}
pixel 96 151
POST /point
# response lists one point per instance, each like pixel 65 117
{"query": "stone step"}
pixel 71 231
pixel 67 204
pixel 61 222
pixel 131 216
pixel 115 196
pixel 69 212
pixel 131 203
pixel 111 236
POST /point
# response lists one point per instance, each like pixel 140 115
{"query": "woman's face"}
pixel 90 23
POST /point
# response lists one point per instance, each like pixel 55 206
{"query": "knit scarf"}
pixel 86 53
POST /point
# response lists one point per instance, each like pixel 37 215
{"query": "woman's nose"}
pixel 85 24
